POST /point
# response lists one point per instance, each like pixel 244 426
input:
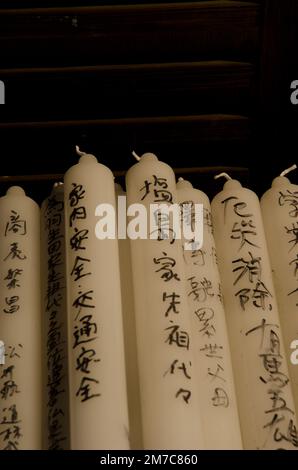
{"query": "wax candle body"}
pixel 218 406
pixel 129 326
pixel 265 400
pixel 20 323
pixel 98 401
pixel 280 214
pixel 169 395
pixel 54 319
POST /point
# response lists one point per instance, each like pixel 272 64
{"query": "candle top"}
pixel 232 184
pixel 15 191
pixel 145 157
pixel 183 184
pixel 280 181
pixel 85 157
pixel 148 157
pixel 88 158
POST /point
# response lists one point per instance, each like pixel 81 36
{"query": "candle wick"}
pixel 288 170
pixel 223 175
pixel 136 156
pixel 79 152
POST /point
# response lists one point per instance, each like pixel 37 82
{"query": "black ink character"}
pixel 220 398
pixel 16 225
pixel 175 300
pixel 167 264
pixel 177 336
pixel 84 391
pixel 180 366
pixel 76 194
pixel 186 394
pixel 15 252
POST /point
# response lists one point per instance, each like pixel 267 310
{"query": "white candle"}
pixel 56 403
pixel 98 401
pixel 20 323
pixel 214 373
pixel 169 396
pixel 130 338
pixel 280 214
pixel 265 400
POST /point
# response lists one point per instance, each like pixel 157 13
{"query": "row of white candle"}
pixel 207 356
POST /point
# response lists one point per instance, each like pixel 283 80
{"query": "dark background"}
pixel 205 85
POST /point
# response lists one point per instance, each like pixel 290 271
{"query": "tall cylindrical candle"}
pixel 56 403
pixel 98 400
pixel 169 395
pixel 20 323
pixel 218 406
pixel 280 214
pixel 265 400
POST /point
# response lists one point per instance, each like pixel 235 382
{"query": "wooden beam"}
pixel 129 33
pixel 59 93
pixel 210 170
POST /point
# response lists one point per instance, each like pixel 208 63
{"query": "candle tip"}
pixel 136 156
pixel 288 170
pixel 223 175
pixel 85 156
pixel 79 152
pixel 15 191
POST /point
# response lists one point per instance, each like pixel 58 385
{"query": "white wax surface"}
pixel 98 401
pixel 264 395
pixel 20 323
pixel 280 214
pixel 218 406
pixel 169 395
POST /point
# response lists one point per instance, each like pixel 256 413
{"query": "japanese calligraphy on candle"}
pixel 85 330
pixel 15 226
pixel 10 420
pixel 10 427
pixel 258 354
pixel 169 392
pixel 282 237
pixel 213 361
pixel 55 340
pixel 98 399
pixel 288 201
pixel 202 292
pixel 175 336
pixel 20 322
